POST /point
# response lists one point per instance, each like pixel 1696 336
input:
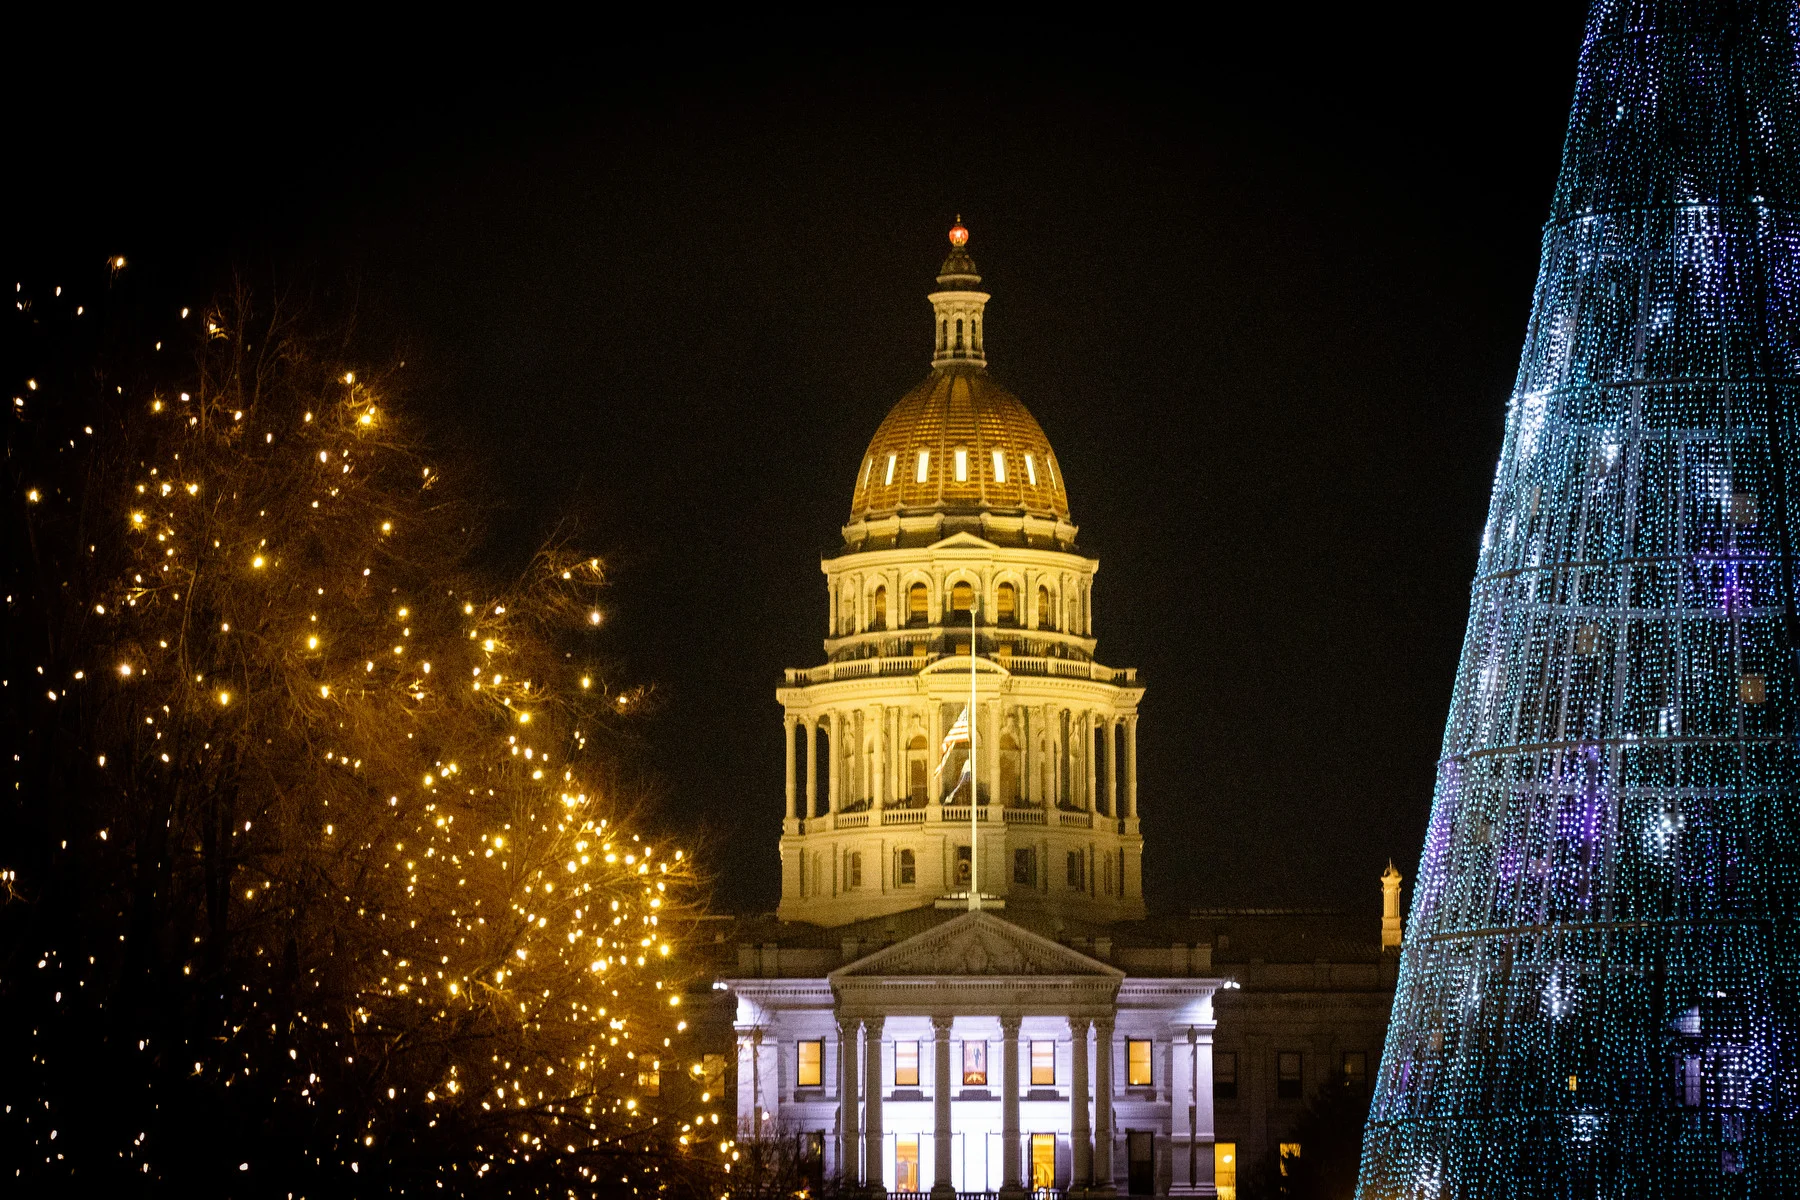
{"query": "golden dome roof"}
pixel 959 443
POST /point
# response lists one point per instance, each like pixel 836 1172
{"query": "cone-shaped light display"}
pixel 1598 989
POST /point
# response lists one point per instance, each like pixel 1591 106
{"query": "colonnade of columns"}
pixel 874 742
pixel 860 1150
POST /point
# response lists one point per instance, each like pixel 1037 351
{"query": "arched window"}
pixel 962 597
pixel 916 767
pixel 959 344
pixel 1045 614
pixel 918 605
pixel 1008 604
pixel 878 609
pixel 847 610
pixel 822 768
pixel 855 871
pixel 906 868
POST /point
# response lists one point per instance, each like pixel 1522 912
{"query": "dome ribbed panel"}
pixel 953 409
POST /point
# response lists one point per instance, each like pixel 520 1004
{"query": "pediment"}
pixel 975 944
pixel 964 540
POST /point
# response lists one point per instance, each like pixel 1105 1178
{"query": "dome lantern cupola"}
pixel 958 306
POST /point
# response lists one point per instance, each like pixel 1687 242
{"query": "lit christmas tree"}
pixel 1598 988
pixel 316 871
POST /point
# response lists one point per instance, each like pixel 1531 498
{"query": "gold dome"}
pixel 959 443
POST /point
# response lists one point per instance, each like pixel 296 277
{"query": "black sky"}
pixel 1263 283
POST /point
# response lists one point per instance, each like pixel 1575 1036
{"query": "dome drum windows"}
pixel 962 597
pixel 924 470
pixel 1046 613
pixel 1007 604
pixel 962 464
pixel 878 609
pixel 918 605
pixel 999 466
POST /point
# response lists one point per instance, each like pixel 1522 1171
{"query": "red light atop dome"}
pixel 959 236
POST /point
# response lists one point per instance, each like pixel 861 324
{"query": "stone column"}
pixel 1131 765
pixel 834 796
pixel 812 766
pixel 934 784
pixel 1191 1112
pixel 941 1187
pixel 793 797
pixel 1103 1097
pixel 848 1147
pixel 1010 1187
pixel 874 1181
pixel 1112 767
pixel 990 745
pixel 884 748
pixel 1080 1142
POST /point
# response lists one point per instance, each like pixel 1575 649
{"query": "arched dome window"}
pixel 1007 604
pixel 878 608
pixel 962 597
pixel 1046 616
pixel 918 605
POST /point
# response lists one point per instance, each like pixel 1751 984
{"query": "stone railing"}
pixel 872 668
pixel 1023 816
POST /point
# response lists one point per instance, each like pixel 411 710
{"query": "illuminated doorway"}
pixel 906 1163
pixel 1043 1160
pixel 1225 1169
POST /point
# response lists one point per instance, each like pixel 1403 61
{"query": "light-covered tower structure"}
pixel 959 505
pixel 1598 991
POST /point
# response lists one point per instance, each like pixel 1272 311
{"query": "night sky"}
pixel 1263 284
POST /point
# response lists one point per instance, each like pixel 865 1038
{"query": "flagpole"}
pixel 974 777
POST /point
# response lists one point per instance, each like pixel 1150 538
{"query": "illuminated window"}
pixel 1050 470
pixel 918 605
pixel 868 468
pixel 1031 470
pixel 1224 1075
pixel 1225 1169
pixel 906 870
pixel 1751 689
pixel 1289 1151
pixel 906 1064
pixel 1287 1075
pixel 809 1069
pixel 924 466
pixel 1007 604
pixel 889 481
pixel 712 1073
pixel 1046 616
pixel 650 1082
pixel 962 464
pixel 999 466
pixel 856 868
pixel 1025 865
pixel 1137 1062
pixel 1043 1064
pixel 962 598
pixel 1043 1161
pixel 1356 1068
pixel 906 1162
pixel 878 609
pixel 974 1072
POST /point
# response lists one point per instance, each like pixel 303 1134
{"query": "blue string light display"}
pixel 1600 986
